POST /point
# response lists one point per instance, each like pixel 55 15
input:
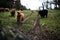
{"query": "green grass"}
pixel 6 19
pixel 52 22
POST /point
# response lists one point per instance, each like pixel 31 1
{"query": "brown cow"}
pixel 20 17
pixel 12 12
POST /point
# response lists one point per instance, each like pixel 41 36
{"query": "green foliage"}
pixel 10 4
pixel 5 3
pixel 6 19
pixel 18 5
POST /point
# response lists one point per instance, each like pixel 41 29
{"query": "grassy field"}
pixel 52 22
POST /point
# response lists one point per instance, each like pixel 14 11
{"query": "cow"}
pixel 43 13
pixel 12 12
pixel 1 9
pixel 20 17
pixel 7 9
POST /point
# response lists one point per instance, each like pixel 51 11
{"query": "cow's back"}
pixel 43 13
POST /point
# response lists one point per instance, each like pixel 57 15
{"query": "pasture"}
pixel 52 22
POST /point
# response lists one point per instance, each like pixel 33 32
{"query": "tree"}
pixel 11 4
pixel 6 3
pixel 59 3
pixel 17 4
pixel 3 3
pixel 22 7
pixel 47 4
pixel 43 6
pixel 56 3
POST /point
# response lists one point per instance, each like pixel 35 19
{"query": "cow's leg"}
pixel 46 15
pixel 43 15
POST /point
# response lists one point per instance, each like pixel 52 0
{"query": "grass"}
pixel 6 19
pixel 52 22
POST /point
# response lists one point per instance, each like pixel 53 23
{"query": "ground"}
pixel 50 26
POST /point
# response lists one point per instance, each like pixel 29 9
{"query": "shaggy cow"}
pixel 6 9
pixel 1 9
pixel 20 17
pixel 12 12
pixel 43 13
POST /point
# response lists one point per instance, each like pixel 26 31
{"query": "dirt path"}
pixel 35 32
